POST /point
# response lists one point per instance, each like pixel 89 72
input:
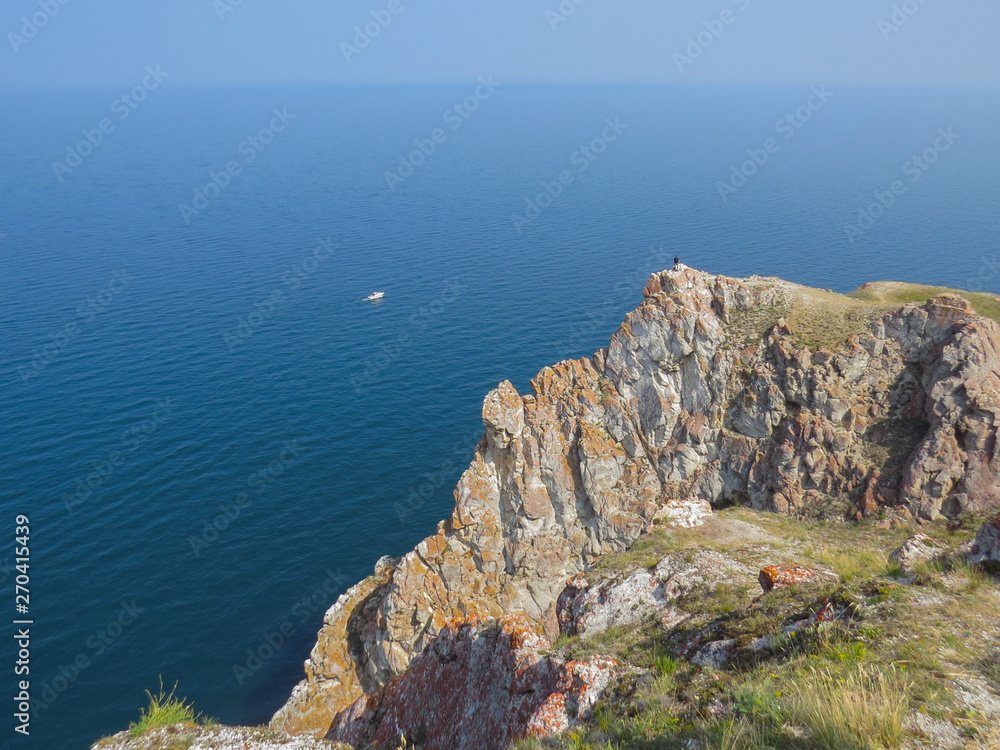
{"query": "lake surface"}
pixel 212 434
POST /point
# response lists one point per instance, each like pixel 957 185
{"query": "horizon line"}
pixel 965 88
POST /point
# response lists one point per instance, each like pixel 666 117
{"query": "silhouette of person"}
pixel 677 260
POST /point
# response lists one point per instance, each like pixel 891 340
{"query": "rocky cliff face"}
pixel 480 685
pixel 709 392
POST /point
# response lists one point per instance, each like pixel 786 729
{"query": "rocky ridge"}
pixel 706 394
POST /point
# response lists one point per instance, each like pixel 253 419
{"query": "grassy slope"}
pixel 822 318
pixel 875 680
pixel 894 294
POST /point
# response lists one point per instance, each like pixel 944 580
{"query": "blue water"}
pixel 321 414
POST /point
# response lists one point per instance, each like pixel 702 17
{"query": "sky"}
pixel 68 44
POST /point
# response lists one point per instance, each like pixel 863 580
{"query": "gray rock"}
pixel 917 549
pixel 647 593
pixel 986 548
pixel 715 654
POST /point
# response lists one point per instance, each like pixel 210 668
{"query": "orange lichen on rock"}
pixel 783 576
pixel 478 686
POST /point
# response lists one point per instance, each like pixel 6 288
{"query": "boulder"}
pixel 986 549
pixel 629 600
pixel 715 653
pixel 917 549
pixel 782 576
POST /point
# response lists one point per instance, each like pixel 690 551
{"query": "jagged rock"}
pixel 478 686
pixel 645 593
pixel 689 400
pixel 308 706
pixel 782 576
pixel 916 549
pixel 986 549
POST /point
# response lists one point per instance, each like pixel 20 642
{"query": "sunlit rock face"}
pixel 706 394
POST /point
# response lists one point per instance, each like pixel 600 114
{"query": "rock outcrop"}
pixel 439 702
pixel 986 549
pixel 706 394
pixel 614 602
pixel 216 737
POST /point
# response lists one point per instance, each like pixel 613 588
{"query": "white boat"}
pixel 375 296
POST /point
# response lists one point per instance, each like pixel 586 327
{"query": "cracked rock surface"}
pixel 690 404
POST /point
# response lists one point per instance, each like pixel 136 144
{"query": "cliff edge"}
pixel 714 392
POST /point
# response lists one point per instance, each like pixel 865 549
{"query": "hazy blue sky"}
pixel 944 43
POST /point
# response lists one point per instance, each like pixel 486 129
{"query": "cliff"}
pixel 714 392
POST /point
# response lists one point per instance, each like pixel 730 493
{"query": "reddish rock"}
pixel 478 686
pixel 869 500
pixel 782 576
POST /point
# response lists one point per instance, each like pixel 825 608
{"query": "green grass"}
pixel 826 708
pixel 645 552
pixel 861 709
pixel 665 665
pixel 987 305
pixel 844 684
pixel 163 710
pixel 824 319
pixel 854 564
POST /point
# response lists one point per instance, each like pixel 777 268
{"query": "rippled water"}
pixel 160 376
